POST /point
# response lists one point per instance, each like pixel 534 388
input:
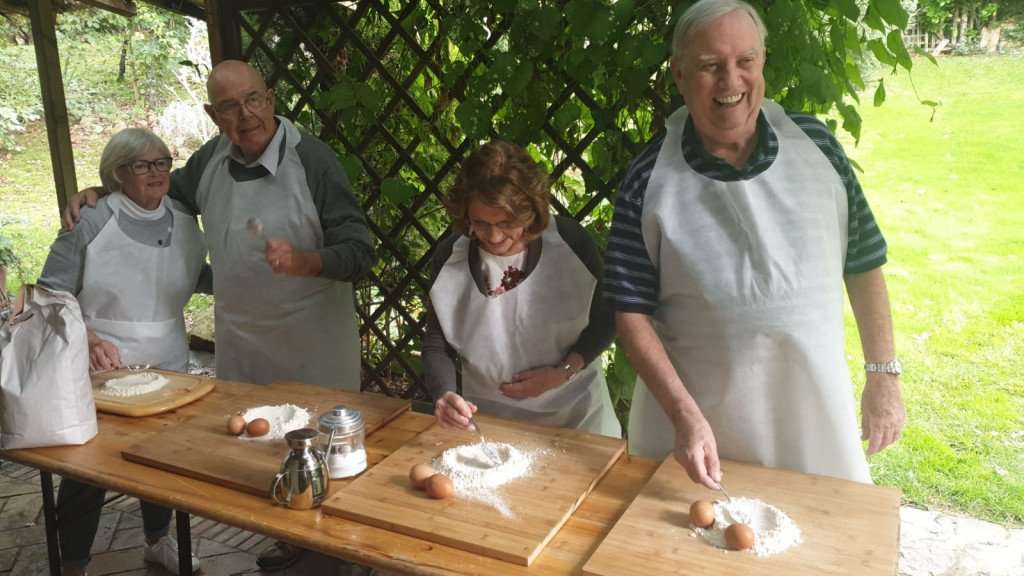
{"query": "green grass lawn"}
pixel 949 196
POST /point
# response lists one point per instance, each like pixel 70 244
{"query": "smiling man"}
pixel 733 236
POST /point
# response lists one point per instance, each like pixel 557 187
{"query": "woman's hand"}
pixel 534 382
pixel 103 355
pixel 453 411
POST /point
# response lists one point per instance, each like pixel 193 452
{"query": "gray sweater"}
pixel 65 264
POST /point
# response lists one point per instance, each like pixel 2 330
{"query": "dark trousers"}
pixel 78 517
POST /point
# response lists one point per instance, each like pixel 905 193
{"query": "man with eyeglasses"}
pixel 286 238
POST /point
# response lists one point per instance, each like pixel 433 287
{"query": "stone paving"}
pixel 932 544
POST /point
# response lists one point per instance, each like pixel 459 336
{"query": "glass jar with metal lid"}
pixel 343 436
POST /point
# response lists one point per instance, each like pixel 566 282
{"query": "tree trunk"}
pixel 954 27
pixel 995 35
pixel 124 59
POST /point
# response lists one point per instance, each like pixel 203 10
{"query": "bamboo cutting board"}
pixel 180 390
pixel 847 527
pixel 202 448
pixel 568 465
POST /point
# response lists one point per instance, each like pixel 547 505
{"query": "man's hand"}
pixel 284 259
pixel 103 355
pixel 452 411
pixel 696 450
pixel 882 412
pixel 534 382
pixel 72 213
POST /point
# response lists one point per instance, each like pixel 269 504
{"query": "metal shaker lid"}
pixel 342 419
pixel 301 438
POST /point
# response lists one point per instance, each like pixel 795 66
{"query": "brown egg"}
pixel 739 536
pixel 236 424
pixel 418 475
pixel 439 486
pixel 258 427
pixel 702 514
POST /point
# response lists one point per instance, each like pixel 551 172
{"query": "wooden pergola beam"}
pixel 180 6
pixel 122 7
pixel 223 31
pixel 55 111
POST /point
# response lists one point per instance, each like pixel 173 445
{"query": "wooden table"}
pixel 99 462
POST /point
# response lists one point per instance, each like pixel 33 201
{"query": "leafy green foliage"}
pixel 405 89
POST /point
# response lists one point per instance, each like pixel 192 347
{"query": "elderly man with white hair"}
pixel 733 236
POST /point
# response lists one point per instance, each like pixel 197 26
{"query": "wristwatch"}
pixel 893 367
pixel 570 371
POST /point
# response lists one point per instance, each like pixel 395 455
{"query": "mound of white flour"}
pixel 135 384
pixel 283 419
pixel 477 477
pixel 774 531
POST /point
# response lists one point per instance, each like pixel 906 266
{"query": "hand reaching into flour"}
pixel 453 411
pixel 103 354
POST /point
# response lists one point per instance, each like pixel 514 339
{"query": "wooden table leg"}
pixel 50 520
pixel 184 542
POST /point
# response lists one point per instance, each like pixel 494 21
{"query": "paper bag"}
pixel 44 373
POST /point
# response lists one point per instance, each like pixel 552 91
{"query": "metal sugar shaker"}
pixel 344 435
pixel 303 480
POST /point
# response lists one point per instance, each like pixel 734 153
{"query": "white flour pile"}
pixel 476 477
pixel 283 419
pixel 774 531
pixel 134 384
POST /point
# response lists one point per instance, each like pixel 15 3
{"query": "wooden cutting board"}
pixel 847 527
pixel 180 390
pixel 202 448
pixel 568 466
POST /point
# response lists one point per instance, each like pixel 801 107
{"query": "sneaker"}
pixel 165 553
pixel 278 557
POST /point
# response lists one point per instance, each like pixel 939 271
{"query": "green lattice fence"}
pixel 405 90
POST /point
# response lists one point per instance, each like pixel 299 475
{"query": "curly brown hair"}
pixel 503 175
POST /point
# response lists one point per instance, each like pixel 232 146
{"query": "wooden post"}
pixel 55 111
pixel 223 30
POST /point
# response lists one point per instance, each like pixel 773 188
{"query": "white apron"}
pixel 751 307
pixel 533 325
pixel 133 294
pixel 271 326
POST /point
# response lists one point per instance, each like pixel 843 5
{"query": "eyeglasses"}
pixel 485 227
pixel 142 167
pixel 253 102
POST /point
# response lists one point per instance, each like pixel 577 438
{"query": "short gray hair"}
pixel 705 12
pixel 123 148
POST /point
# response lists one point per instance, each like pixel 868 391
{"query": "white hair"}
pixel 705 12
pixel 123 148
